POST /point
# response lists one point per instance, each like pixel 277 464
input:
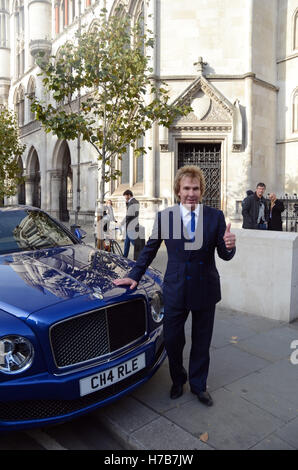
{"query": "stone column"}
pixel 149 165
pixel 29 188
pixel 131 166
pixel 56 176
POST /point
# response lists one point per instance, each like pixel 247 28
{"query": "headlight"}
pixel 157 309
pixel 16 354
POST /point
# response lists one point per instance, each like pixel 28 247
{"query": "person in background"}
pixel 255 210
pixel 249 192
pixel 275 209
pixel 108 215
pixel 131 220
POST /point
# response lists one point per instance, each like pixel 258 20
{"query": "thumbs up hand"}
pixel 229 238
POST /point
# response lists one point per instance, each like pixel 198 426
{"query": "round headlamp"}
pixel 16 354
pixel 157 308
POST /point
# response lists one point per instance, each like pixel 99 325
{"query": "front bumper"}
pixel 45 398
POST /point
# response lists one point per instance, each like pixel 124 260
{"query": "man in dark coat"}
pixel 131 220
pixel 191 233
pixel 249 192
pixel 255 210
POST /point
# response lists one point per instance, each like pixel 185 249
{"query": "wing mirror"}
pixel 78 232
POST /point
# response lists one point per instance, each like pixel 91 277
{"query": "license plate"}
pixel 108 377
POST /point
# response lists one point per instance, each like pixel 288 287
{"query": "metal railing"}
pixel 290 214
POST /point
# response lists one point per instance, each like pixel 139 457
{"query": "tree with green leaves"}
pixel 102 90
pixel 10 151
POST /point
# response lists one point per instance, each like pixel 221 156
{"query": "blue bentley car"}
pixel 70 340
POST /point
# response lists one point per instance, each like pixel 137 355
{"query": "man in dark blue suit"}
pixel 191 233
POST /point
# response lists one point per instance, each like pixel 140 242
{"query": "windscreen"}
pixel 29 230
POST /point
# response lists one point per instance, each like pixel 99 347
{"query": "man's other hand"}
pixel 126 281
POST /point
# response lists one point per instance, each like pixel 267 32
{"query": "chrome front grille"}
pixel 95 334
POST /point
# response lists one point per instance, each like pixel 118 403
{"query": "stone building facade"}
pixel 234 61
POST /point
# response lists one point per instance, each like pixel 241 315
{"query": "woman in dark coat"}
pixel 276 208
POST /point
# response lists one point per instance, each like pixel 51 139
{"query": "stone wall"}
pixel 262 278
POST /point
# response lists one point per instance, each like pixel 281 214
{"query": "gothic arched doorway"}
pixel 65 196
pixel 33 188
pixel 36 189
pixel 21 187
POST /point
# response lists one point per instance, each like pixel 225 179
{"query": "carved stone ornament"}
pixel 200 87
pixel 236 147
pixel 164 147
pixel 202 128
pixel 201 105
pixel 212 112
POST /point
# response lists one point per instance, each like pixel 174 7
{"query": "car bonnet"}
pixel 31 281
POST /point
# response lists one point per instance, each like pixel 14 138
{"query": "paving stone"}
pixel 128 413
pixel 272 443
pixel 271 345
pixel 289 433
pixel 232 422
pixel 254 323
pixel 162 434
pixel 229 363
pixel 156 393
pixel 273 389
pixel 226 331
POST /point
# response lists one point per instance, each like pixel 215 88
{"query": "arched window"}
pixel 4 24
pixel 295 30
pixel 73 9
pixel 88 3
pixel 20 59
pixel 57 16
pixel 19 105
pixel 19 34
pixel 94 26
pixel 125 167
pixel 119 7
pixel 295 111
pixel 19 17
pixel 21 187
pixel 65 12
pixel 139 163
pixel 141 22
pixel 31 94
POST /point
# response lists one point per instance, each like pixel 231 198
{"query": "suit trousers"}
pixel 201 335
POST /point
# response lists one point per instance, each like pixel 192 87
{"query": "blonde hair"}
pixel 193 172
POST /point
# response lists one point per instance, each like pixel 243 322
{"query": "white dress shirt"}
pixel 186 215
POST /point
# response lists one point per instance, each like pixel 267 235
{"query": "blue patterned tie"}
pixel 191 227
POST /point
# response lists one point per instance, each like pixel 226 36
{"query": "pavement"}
pixel 253 380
